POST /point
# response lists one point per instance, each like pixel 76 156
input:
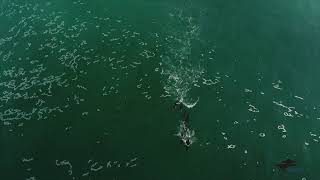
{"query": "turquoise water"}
pixel 88 89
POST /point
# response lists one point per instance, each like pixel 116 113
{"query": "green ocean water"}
pixel 88 89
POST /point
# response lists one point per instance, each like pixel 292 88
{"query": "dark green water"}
pixel 88 88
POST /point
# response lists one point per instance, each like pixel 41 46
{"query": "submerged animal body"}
pixel 284 165
pixel 289 161
pixel 186 118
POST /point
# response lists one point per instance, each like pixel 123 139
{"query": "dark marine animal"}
pixel 284 165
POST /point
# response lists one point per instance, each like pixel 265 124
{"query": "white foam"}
pixel 189 105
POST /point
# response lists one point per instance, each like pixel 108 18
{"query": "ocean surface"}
pixel 99 90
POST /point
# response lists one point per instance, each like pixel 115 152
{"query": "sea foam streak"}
pixel 180 69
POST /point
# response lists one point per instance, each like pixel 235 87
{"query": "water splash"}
pixel 186 134
pixel 181 68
